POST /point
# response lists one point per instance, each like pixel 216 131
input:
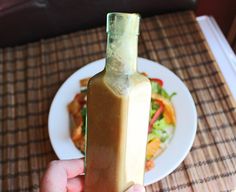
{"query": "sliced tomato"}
pixel 159 81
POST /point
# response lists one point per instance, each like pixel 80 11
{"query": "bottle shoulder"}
pixel 141 82
pixel 139 78
pixel 96 79
pixel 120 84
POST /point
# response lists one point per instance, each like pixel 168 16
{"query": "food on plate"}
pixel 78 114
pixel 161 124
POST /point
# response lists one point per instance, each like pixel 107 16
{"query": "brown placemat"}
pixel 31 74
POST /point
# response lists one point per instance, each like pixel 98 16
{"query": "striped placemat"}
pixel 31 74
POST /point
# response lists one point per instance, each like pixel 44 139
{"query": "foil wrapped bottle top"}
pixel 123 23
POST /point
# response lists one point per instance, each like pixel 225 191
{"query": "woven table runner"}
pixel 31 74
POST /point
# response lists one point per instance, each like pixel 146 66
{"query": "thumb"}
pixel 136 188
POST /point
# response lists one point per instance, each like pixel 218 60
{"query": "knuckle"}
pixel 53 163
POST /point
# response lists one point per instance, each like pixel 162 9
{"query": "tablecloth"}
pixel 31 74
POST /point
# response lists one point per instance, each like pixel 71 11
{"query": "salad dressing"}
pixel 118 112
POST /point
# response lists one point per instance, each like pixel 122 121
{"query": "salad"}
pixel 161 124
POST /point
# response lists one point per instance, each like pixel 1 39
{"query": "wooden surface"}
pixel 31 74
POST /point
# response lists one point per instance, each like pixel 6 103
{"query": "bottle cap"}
pixel 123 23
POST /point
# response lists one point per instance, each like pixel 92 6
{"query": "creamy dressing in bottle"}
pixel 118 112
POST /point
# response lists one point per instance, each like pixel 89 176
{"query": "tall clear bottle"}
pixel 118 112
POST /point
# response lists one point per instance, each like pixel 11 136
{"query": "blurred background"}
pixel 25 21
pixel 224 13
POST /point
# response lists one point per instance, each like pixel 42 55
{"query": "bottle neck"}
pixel 121 54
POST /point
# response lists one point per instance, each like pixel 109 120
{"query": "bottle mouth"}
pixel 119 23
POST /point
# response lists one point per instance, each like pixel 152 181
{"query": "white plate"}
pixel 186 116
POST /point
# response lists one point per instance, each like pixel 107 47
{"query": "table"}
pixel 31 74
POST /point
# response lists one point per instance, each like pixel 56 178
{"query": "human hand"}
pixel 65 175
pixel 136 188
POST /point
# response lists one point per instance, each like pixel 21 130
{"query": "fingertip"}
pixel 73 167
pixel 136 188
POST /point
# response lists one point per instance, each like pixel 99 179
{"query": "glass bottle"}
pixel 118 112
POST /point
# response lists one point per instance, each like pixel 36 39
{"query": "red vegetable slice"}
pixel 159 81
pixel 80 97
pixel 156 115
